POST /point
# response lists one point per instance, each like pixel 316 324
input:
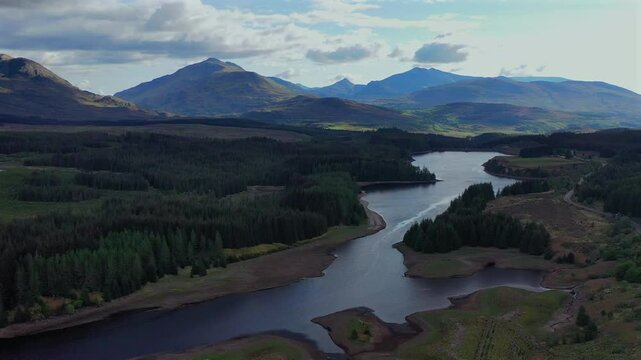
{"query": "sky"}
pixel 110 45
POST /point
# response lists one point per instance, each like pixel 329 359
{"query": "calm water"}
pixel 367 272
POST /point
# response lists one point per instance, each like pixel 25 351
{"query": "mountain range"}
pixel 419 99
pixel 390 87
pixel 578 96
pixel 28 89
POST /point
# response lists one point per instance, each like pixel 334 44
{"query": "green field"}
pixel 12 176
pixel 538 162
pixel 10 207
pixel 187 130
pixel 499 323
pixel 260 349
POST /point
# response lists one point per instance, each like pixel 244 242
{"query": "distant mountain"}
pixel 476 118
pixel 393 86
pixel 331 112
pixel 575 96
pixel 408 82
pixel 209 88
pixel 343 89
pixel 28 89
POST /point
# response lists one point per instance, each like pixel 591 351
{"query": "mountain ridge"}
pixel 24 82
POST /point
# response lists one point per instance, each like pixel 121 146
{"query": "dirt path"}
pixel 566 316
pixel 265 272
pixel 569 198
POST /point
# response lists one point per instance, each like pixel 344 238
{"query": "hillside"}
pixel 475 118
pixel 28 89
pixel 332 113
pixel 209 88
pixel 578 96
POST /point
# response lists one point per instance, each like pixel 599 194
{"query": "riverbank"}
pixel 366 184
pixel 266 346
pixel 308 259
pixel 497 323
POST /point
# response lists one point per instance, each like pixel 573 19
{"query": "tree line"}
pixel 465 223
pixel 617 185
pixel 525 187
pixel 47 186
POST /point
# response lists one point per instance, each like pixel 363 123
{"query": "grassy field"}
pixel 499 323
pixel 10 207
pixel 616 308
pixel 468 260
pixel 272 349
pixel 260 347
pixel 571 228
pixel 561 173
pixel 538 162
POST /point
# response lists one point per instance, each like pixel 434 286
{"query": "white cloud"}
pixel 341 55
pixel 288 74
pixel 440 53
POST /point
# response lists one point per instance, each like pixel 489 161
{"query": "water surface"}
pixel 367 272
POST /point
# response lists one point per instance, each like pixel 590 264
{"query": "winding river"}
pixel 367 272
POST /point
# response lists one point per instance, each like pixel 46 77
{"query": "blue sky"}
pixel 109 45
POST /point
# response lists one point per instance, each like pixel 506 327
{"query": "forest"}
pixel 605 143
pixel 465 223
pixel 180 208
pixel 617 185
pixel 525 187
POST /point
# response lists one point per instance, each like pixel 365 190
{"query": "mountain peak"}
pixel 226 65
pixel 32 90
pixel 24 68
pixel 345 81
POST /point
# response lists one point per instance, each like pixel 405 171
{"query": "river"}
pixel 367 272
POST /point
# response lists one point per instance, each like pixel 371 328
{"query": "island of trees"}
pixel 465 223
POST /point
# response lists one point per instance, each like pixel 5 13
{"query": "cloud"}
pixel 515 71
pixel 540 68
pixel 436 1
pixel 340 55
pixel 105 31
pixel 340 77
pixel 396 53
pixel 31 3
pixel 440 53
pixel 441 36
pixel 288 74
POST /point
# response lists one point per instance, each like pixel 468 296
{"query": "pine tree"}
pixel 219 252
pixel 22 285
pixel 582 318
pixel 3 313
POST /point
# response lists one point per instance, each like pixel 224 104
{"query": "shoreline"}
pixel 412 259
pixel 367 184
pixel 309 259
pixel 514 177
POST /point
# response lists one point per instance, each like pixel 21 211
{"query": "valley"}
pixel 244 209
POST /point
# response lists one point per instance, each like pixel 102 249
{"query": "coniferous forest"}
pixel 180 209
pixel 617 185
pixel 465 223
